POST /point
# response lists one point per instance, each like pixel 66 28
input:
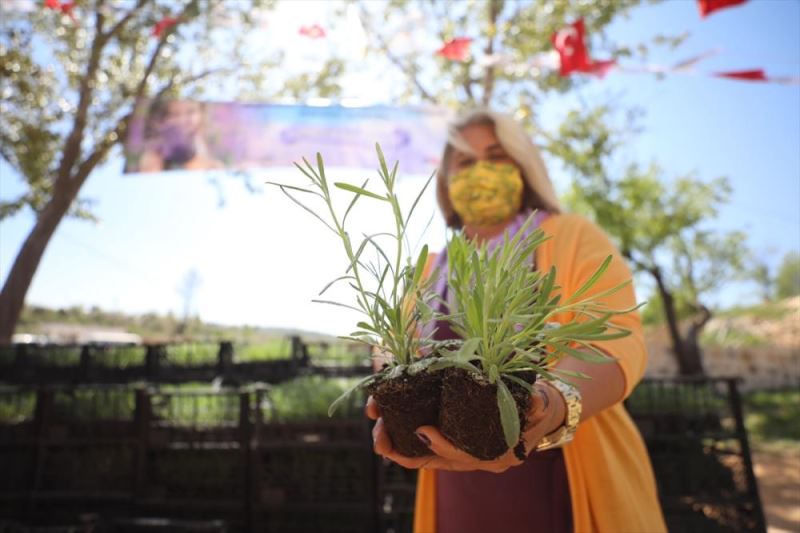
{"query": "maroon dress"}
pixel 529 498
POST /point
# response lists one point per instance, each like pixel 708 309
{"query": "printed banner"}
pixel 191 135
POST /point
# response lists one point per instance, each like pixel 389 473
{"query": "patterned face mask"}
pixel 486 193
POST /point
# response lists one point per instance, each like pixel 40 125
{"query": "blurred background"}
pixel 172 295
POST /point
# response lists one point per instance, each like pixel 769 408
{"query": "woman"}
pixel 587 468
pixel 176 138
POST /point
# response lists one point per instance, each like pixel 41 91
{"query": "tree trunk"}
pixel 19 279
pixel 694 352
pixel 689 358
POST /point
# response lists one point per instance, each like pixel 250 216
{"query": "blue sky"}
pixel 262 260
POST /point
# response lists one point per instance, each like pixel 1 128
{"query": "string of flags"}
pixel 569 55
pixel 569 44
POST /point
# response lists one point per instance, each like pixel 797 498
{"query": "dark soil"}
pixel 407 403
pixel 470 418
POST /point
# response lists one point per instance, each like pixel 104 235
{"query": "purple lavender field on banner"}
pixel 191 135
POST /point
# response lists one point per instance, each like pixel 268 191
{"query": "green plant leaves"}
pixel 359 191
pixel 420 365
pixel 468 350
pixel 389 290
pixel 509 415
pixel 338 401
pixel 420 266
pixel 589 283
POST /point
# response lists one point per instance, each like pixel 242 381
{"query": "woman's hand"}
pixel 546 415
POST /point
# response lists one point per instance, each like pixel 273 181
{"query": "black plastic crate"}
pixel 695 435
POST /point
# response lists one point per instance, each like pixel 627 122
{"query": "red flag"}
pixel 65 8
pixel 709 6
pixel 163 25
pixel 570 44
pixel 455 49
pixel 571 48
pixel 600 68
pixel 314 31
pixel 747 75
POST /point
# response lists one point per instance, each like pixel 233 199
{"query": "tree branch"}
pixel 72 146
pixel 100 152
pixel 197 77
pixel 409 70
pixel 638 265
pixel 124 20
pixel 142 86
pixel 488 79
pixel 120 130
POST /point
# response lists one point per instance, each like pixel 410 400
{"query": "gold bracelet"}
pixel 565 433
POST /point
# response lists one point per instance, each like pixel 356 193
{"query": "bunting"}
pixel 707 7
pixel 455 49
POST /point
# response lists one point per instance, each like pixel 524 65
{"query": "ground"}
pixel 778 474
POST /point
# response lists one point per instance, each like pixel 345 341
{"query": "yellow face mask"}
pixel 486 193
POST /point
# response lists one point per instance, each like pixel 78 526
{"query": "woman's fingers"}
pixel 439 463
pixel 443 447
pixel 372 409
pixel 541 415
pixel 540 402
pixel 383 446
pixel 411 463
pixel 380 439
pixel 444 456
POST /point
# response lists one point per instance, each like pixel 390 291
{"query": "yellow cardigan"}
pixel 611 481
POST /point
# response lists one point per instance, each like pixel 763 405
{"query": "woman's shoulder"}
pixel 568 224
pixel 575 235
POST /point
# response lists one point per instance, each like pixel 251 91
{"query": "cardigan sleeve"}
pixel 579 249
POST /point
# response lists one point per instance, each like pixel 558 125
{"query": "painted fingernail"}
pixel 545 398
pixel 424 438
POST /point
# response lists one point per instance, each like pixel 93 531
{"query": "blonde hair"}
pixel 538 192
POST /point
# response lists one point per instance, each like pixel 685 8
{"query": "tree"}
pixel 787 280
pixel 660 226
pixel 764 279
pixel 187 289
pixel 70 76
